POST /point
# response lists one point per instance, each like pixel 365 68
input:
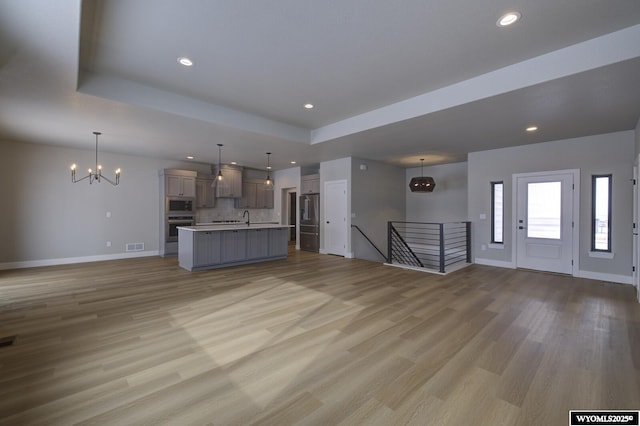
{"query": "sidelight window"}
pixel 601 213
pixel 497 212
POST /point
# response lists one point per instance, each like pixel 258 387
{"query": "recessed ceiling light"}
pixel 509 18
pixel 531 128
pixel 189 157
pixel 293 162
pixel 234 162
pixel 308 106
pixel 185 61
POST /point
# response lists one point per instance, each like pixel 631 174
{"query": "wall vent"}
pixel 135 247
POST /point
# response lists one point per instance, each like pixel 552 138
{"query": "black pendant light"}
pixel 422 183
pixel 268 183
pixel 219 176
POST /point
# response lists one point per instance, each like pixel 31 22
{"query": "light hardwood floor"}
pixel 317 340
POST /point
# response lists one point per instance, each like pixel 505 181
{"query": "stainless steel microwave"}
pixel 179 205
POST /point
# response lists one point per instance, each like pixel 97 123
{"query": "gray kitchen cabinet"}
pixel 257 243
pixel 231 184
pixel 278 242
pixel 248 199
pixel 206 250
pixel 255 196
pixel 202 248
pixel 205 192
pixel 264 197
pixel 234 246
pixel 180 186
pixel 310 184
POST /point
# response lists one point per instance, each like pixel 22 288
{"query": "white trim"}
pixel 70 260
pixel 496 263
pixel 614 278
pixel 601 254
pixel 349 255
pixel 576 212
pixel 497 246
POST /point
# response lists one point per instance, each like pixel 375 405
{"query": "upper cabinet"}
pixel 179 183
pixel 264 197
pixel 310 184
pixel 231 184
pixel 205 191
pixel 255 196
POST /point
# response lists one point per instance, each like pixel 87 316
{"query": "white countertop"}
pixel 231 227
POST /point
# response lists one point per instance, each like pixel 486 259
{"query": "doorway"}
pixel 546 224
pixel 289 212
pixel 335 217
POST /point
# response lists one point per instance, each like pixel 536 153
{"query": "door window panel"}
pixel 544 209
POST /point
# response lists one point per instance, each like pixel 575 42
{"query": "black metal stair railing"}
pixel 429 245
pixel 399 250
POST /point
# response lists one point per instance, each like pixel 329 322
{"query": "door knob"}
pixel 521 227
pixel 327 221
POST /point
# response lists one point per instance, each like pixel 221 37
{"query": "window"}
pixel 544 210
pixel 497 218
pixel 601 213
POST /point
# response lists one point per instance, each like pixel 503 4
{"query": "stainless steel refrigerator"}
pixel 310 222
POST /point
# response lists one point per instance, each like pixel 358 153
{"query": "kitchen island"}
pixel 218 246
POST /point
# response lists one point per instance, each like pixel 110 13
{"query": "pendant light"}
pixel 219 176
pixel 96 175
pixel 268 183
pixel 422 183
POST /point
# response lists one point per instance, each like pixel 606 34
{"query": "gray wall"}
pixel 448 201
pixel 375 200
pixel 600 154
pixel 46 217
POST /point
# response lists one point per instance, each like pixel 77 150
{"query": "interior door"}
pixel 544 222
pixel 335 217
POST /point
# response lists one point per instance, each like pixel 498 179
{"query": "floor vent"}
pixel 135 247
pixel 7 341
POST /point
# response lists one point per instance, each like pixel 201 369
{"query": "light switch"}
pixel 483 216
pixel 108 215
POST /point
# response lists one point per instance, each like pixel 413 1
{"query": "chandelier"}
pixel 97 174
pixel 422 183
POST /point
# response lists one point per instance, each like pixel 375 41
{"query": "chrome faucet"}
pixel 246 212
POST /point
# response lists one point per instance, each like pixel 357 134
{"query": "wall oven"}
pixel 173 221
pixel 179 206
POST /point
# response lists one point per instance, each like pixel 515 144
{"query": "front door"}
pixel 544 221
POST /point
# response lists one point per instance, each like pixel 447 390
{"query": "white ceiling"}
pixel 391 81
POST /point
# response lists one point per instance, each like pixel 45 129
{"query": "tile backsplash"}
pixel 225 210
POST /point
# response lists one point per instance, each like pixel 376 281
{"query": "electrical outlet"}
pixel 483 247
pixel 108 243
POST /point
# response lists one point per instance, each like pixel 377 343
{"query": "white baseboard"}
pixel 70 260
pixel 496 263
pixel 614 278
